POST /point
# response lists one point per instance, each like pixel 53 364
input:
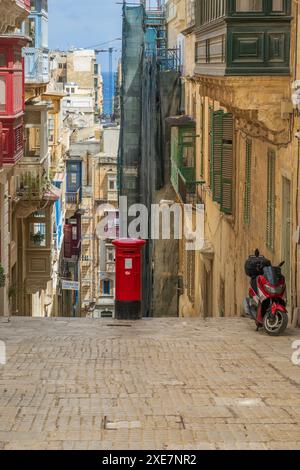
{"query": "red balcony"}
pixel 72 238
pixel 12 140
pixel 12 97
pixel 1 145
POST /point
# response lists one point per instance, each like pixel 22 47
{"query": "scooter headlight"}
pixel 274 290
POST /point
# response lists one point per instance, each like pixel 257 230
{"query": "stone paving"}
pixel 155 384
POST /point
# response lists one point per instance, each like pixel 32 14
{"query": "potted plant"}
pixel 38 238
pixel 2 276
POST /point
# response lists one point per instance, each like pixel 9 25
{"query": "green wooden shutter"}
pixel 217 137
pixel 211 149
pixel 202 137
pixel 270 200
pixel 247 193
pixel 227 165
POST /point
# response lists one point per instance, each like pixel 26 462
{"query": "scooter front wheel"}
pixel 276 324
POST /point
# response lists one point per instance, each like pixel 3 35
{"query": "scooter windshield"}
pixel 271 274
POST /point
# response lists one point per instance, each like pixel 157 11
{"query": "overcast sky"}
pixel 85 23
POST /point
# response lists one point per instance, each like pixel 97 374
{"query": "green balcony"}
pixel 183 161
pixel 242 37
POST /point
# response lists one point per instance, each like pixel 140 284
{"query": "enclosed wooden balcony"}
pixel 36 66
pixel 242 37
pixel 183 158
pixel 12 97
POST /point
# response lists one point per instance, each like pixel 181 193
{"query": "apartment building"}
pixel 105 195
pixel 12 105
pixel 235 150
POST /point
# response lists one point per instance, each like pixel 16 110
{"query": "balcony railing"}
pixel 31 187
pixel 73 197
pixel 36 65
pixel 170 59
pixel 184 183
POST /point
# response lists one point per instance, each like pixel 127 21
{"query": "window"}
pixel 110 253
pixel 32 141
pixel 210 10
pixel 112 183
pixel 221 159
pixel 249 5
pixel 247 188
pixel 74 232
pixel 270 200
pixel 106 287
pixel 2 59
pixel 72 90
pixel 277 5
pixel 187 148
pixel 37 230
pixel 31 29
pixel 51 129
pixel 2 94
pixel 73 178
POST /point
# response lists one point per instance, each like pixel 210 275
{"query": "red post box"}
pixel 128 278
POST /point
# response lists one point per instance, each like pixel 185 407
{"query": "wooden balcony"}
pixel 233 41
pixel 36 66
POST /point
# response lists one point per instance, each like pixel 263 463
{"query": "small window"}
pixel 38 234
pixel 2 94
pixel 2 59
pixel 277 5
pixel 110 254
pixel 112 184
pixel 188 157
pixel 249 5
pixel 72 90
pixel 32 141
pixel 106 287
pixel 74 233
pixel 73 178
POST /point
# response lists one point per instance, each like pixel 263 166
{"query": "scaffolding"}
pixel 150 92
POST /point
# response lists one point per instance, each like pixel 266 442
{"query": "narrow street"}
pixel 154 384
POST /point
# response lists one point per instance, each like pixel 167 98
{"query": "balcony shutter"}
pixel 270 200
pixel 217 138
pixel 227 164
pixel 68 241
pixel 247 194
pixel 211 147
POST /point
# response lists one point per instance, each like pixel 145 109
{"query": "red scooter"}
pixel 266 303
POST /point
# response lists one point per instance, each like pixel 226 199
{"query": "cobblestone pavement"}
pixel 154 384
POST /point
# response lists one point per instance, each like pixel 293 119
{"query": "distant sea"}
pixel 107 96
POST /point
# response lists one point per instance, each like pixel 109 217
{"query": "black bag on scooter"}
pixel 255 264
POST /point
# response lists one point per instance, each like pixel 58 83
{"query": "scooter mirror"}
pixel 282 263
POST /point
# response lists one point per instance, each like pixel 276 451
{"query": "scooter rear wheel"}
pixel 276 324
